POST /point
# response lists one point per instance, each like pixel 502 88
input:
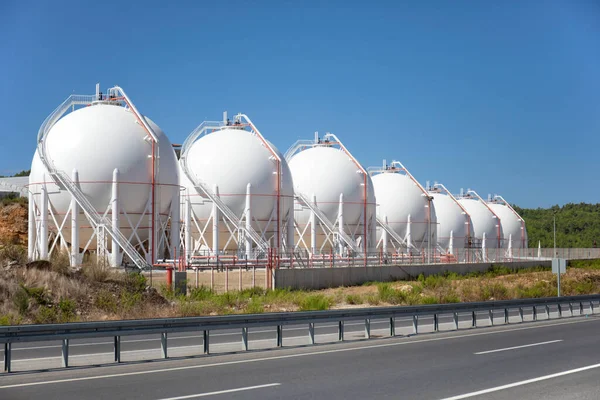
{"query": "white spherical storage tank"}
pixel 452 222
pixel 512 226
pixel 324 173
pixel 107 154
pixel 236 163
pixel 398 197
pixel 483 221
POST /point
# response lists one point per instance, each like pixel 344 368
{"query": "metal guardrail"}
pixel 116 329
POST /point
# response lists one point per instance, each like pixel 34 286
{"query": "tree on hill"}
pixel 577 225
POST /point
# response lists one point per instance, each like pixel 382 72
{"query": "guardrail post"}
pixel 534 313
pixel 491 316
pixel 474 319
pixel 591 307
pixel 435 323
pixel 7 356
pixel 163 344
pixel 206 341
pixel 547 311
pixel 571 308
pixel 367 328
pixel 392 327
pixel 580 308
pixel 245 338
pixel 279 335
pixel 341 331
pixel 521 313
pixel 117 348
pixel 415 324
pixel 311 332
pixel 65 353
pixel 506 316
pixel 559 311
pixel 456 321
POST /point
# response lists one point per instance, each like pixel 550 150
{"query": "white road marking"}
pixel 521 383
pixel 193 396
pixel 519 347
pixel 315 353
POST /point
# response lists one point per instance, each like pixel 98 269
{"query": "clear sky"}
pixel 502 97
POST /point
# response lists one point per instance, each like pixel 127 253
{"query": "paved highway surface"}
pixel 545 359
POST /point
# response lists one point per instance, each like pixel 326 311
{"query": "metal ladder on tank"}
pixel 327 223
pixel 204 189
pixel 62 179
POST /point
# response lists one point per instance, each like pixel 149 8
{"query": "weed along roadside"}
pixel 50 292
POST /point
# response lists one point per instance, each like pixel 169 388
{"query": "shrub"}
pixel 21 301
pixel 13 253
pixel 9 319
pixel 201 293
pixel 45 315
pixel 372 300
pixel 97 272
pixel 494 290
pixel 60 262
pixel 433 282
pixel 129 300
pixel 314 302
pixel 67 309
pixel 429 300
pixel 135 282
pixel 38 294
pixel 354 299
pixel 255 307
pixel 106 302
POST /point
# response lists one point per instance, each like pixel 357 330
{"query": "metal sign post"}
pixel 559 266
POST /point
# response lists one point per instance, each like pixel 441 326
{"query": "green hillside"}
pixel 577 225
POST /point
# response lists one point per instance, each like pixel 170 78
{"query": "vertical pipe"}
pixel 188 227
pixel 290 231
pixel 510 245
pixel 115 217
pixel 341 224
pixel 153 198
pixel 451 243
pixel 373 233
pixel 175 222
pixel 384 237
pixel 31 227
pixel 150 234
pixel 248 220
pixel 313 228
pixel 215 225
pixel 44 224
pixel 483 247
pixel 75 224
pixel 408 233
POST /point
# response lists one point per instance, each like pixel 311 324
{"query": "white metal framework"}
pixel 46 225
pixel 251 244
pixel 339 236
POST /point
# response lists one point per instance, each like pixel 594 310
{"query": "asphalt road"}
pixel 559 358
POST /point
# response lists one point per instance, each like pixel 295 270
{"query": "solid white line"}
pixel 519 347
pixel 521 383
pixel 315 353
pixel 193 396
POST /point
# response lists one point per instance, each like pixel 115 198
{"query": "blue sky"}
pixel 502 97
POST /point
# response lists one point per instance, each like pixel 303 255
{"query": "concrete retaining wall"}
pixel 321 278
